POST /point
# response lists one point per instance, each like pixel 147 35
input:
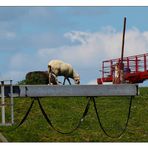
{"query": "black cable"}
pixel 23 119
pixel 50 123
pixel 99 120
pixel 80 121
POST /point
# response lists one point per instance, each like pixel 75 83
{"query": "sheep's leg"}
pixel 64 81
pixel 68 81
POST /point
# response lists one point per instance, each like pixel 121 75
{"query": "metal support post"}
pixel 12 103
pixel 3 102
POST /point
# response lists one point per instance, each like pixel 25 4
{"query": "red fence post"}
pixel 136 64
pixel 144 62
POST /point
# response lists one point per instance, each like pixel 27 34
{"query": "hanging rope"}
pixel 50 123
pixel 99 120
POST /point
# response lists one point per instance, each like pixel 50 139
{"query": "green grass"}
pixel 65 114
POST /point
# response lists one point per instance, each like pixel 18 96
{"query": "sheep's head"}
pixel 77 80
pixel 52 79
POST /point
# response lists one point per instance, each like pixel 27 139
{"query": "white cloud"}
pixel 98 46
pixel 79 36
pixel 136 42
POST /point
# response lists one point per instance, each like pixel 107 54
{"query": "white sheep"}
pixel 59 68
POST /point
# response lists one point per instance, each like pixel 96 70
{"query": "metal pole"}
pixel 122 54
pixel 11 97
pixel 3 102
pixel 123 38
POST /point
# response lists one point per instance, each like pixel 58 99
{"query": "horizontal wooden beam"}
pixel 73 90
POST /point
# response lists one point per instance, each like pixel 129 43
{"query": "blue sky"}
pixel 84 36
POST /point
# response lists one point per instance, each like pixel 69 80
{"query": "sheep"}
pixel 59 68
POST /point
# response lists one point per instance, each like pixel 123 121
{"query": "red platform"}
pixel 135 69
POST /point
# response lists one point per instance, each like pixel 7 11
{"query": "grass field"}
pixel 65 114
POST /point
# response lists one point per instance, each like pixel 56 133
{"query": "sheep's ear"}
pixel 49 67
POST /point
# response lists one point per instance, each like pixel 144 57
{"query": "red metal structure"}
pixel 135 69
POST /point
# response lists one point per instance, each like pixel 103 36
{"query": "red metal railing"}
pixel 135 69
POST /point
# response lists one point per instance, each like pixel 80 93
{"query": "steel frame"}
pixel 137 65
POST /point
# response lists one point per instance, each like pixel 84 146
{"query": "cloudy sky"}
pixel 84 36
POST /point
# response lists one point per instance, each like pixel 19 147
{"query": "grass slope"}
pixel 65 114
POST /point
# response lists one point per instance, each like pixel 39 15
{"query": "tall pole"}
pixel 123 38
pixel 122 54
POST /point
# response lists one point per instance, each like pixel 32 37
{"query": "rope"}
pixel 50 123
pixel 99 120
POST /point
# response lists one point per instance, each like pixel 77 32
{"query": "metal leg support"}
pixel 12 103
pixel 3 102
